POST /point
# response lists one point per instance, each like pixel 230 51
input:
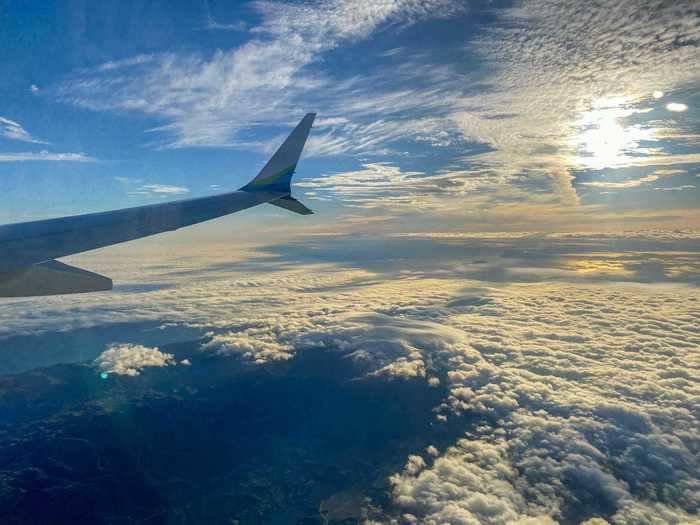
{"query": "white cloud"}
pixel 13 130
pixel 128 180
pixel 207 101
pixel 574 390
pixel 130 359
pixel 678 188
pixel 385 186
pixel 45 156
pixel 158 189
pixel 676 107
pixel 258 343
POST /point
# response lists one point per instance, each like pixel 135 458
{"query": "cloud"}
pixel 203 284
pixel 560 437
pixel 209 101
pixel 157 189
pixel 678 188
pixel 45 156
pixel 554 98
pixel 676 107
pixel 238 25
pixel 634 183
pixel 130 359
pixel 257 343
pixel 370 186
pixel 576 398
pixel 555 63
pixel 13 130
pixel 385 186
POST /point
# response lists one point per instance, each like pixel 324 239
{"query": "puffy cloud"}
pixel 471 484
pixel 256 343
pixel 130 359
pixel 579 415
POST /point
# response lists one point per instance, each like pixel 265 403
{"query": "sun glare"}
pixel 676 107
pixel 602 139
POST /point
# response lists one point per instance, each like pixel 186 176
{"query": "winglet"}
pixel 277 173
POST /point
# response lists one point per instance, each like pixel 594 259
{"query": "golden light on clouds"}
pixel 612 264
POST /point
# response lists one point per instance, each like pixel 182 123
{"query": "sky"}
pixel 506 198
pixel 433 116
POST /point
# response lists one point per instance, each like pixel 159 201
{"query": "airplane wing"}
pixel 28 250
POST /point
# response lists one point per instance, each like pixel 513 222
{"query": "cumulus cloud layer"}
pixel 589 402
pixel 129 359
pixel 576 390
pixel 585 396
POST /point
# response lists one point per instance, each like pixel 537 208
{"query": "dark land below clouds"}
pixel 220 441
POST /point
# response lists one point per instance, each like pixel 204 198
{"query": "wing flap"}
pixel 51 278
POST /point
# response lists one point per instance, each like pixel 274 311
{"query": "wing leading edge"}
pixel 28 250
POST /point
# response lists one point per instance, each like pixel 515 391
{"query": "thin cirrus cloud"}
pixel 13 130
pixel 208 101
pixel 382 185
pixel 45 156
pixel 10 129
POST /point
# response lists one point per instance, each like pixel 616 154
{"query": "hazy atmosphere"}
pixel 490 318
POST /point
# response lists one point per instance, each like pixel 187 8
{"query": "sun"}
pixel 602 140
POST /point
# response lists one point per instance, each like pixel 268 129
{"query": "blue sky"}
pixel 433 116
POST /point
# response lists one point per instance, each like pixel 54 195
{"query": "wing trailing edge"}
pixel 51 278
